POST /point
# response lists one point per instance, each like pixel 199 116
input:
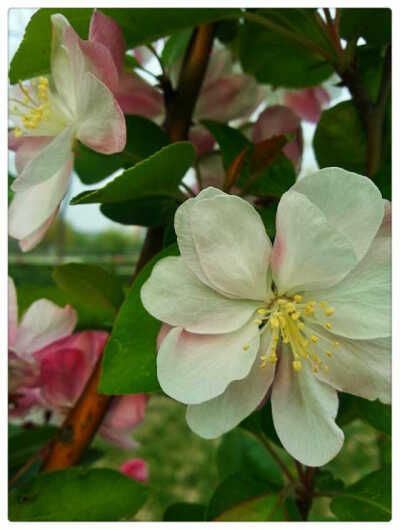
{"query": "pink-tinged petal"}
pixel 221 414
pixel 308 103
pixel 124 414
pixel 143 54
pixel 196 368
pixel 43 163
pixel 212 171
pixel 303 412
pixel 33 207
pixel 28 243
pixel 21 373
pixel 27 148
pixel 42 324
pixel 63 375
pixel 174 294
pixel 135 96
pixel 21 403
pixel 105 30
pixel 220 65
pixel 308 252
pixel 202 140
pixel 136 468
pixel 101 63
pixel 164 330
pixel 277 120
pixel 12 312
pixel 101 121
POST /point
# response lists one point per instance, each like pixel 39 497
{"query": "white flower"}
pixel 49 116
pixel 303 319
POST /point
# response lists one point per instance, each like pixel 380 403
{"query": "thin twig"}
pixel 277 458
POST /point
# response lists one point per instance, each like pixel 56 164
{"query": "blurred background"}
pixel 183 467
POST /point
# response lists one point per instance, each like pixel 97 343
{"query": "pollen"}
pixel 296 366
pixel 261 311
pixel 329 311
pixel 328 325
pixel 17 132
pixel 33 107
pixel 314 338
pixel 246 347
pixel 297 298
pixel 257 321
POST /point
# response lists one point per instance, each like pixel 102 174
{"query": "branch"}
pixel 84 419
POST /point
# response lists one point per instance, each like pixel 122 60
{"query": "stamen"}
pixel 246 347
pixel 328 325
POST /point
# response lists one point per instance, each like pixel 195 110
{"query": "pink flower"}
pixel 42 324
pixel 136 468
pixel 106 48
pixel 276 120
pixel 307 103
pixel 48 119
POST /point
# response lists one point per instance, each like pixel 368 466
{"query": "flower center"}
pixel 34 107
pixel 288 319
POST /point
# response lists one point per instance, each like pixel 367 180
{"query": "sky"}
pixel 87 218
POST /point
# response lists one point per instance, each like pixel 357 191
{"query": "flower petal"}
pixel 217 416
pixel 359 367
pixel 351 203
pixel 174 295
pixel 105 30
pixel 362 300
pixel 308 252
pixel 195 368
pixel 101 122
pixel 307 103
pixel 43 323
pixel 223 241
pixel 33 207
pixel 304 411
pixel 135 96
pixel 12 312
pixel 29 242
pixel 45 162
pixel 136 468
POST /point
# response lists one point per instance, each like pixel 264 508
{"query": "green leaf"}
pixel 129 362
pixel 26 442
pixel 325 481
pixel 77 495
pixel 268 216
pixel 185 511
pixel 374 24
pixel 242 498
pixel 144 138
pixel 230 140
pixel 90 285
pixel 375 413
pixel 139 26
pixel 240 451
pixel 283 61
pixel 150 212
pixel 175 47
pixel 369 499
pixel 260 422
pixel 155 177
pixel 274 180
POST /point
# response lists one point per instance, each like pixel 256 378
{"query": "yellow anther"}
pixel 295 315
pixel 323 304
pixel 43 81
pixel 314 339
pixel 328 325
pixel 300 325
pixel 263 357
pixel 263 364
pixel 298 298
pixel 312 303
pixel 272 358
pixel 257 321
pixel 315 368
pixel 17 132
pixel 335 344
pixel 329 311
pixel 261 311
pixel 274 322
pixel 281 301
pixel 296 366
pixel 290 307
pixel 246 347
pixel 329 353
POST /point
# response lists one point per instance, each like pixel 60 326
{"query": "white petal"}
pixel 42 324
pixel 12 312
pixel 29 242
pixel 362 300
pixel 228 240
pixel 304 411
pixel 308 252
pixel 174 295
pixel 359 367
pixel 31 208
pixel 47 162
pixel 195 368
pixel 101 121
pixel 352 203
pixel 217 416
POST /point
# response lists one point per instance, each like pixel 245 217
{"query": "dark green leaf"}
pixel 149 212
pixel 78 495
pixel 139 26
pixel 240 451
pixel 369 499
pixel 261 422
pixel 283 61
pixel 230 140
pixel 374 24
pixel 185 511
pixel 241 498
pixel 375 413
pixel 273 181
pixel 129 363
pixel 268 218
pixel 155 177
pixel 175 47
pixel 90 285
pixel 144 138
pixel 26 442
pixel 326 482
pixel 385 449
